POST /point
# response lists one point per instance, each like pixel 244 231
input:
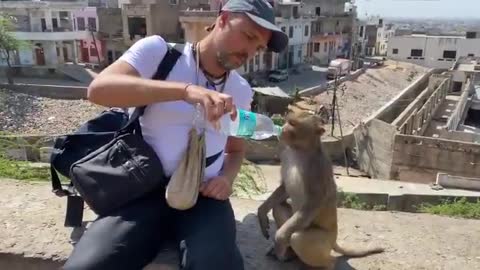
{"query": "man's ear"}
pixel 222 18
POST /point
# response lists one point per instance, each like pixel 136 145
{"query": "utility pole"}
pixel 336 111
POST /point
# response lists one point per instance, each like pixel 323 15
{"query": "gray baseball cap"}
pixel 261 12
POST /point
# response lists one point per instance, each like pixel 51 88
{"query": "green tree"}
pixel 8 43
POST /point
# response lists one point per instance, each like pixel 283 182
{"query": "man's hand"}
pixel 215 104
pixel 218 187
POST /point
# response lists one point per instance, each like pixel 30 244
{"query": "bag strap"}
pixel 166 65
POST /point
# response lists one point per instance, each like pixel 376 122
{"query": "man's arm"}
pixel 120 85
pixel 234 155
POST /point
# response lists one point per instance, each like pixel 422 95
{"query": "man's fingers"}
pixel 209 188
pixel 234 115
pixel 229 107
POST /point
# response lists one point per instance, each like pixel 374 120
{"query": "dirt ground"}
pixel 31 225
pixel 360 98
pixel 27 114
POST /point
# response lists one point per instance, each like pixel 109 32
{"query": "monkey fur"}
pixel 307 226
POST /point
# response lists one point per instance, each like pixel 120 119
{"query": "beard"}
pixel 224 59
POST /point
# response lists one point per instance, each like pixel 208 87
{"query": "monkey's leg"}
pixel 313 247
pixel 281 213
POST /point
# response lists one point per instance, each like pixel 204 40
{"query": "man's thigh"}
pixel 209 231
pixel 127 239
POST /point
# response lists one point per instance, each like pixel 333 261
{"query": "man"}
pixel 132 237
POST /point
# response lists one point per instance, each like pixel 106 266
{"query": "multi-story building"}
pixel 384 33
pixel 434 51
pixel 294 21
pixel 49 30
pixel 332 29
pixel 91 48
pixel 155 17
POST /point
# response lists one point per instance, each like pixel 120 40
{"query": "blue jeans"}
pixel 131 237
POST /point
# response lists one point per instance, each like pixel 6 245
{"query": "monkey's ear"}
pixel 320 130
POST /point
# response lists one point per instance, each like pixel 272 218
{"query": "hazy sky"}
pixel 420 8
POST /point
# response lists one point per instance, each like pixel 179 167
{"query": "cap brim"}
pixel 279 40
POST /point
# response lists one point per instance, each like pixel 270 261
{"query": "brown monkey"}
pixel 307 227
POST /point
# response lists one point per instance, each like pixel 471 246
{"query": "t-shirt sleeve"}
pixel 145 55
pixel 244 96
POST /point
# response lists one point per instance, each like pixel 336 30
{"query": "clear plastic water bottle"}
pixel 248 125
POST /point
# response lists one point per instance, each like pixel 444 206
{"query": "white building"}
pixel 48 29
pixel 297 25
pixel 433 51
pixel 384 33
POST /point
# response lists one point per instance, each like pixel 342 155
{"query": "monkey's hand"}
pixel 263 221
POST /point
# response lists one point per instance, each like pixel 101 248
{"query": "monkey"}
pixel 307 226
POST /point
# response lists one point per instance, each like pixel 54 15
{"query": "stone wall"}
pixel 49 91
pixel 419 159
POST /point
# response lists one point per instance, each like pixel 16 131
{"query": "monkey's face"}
pixel 302 130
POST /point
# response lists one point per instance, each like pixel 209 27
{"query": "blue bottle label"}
pixel 247 123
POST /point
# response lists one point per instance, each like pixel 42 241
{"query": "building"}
pixel 371 32
pixel 434 51
pixel 287 16
pixel 384 33
pixel 49 30
pixel 110 33
pixel 296 22
pixel 332 29
pixel 149 17
pixel 91 49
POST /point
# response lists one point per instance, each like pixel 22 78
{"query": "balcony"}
pixel 52 36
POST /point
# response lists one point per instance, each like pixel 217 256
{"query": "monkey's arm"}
pixel 278 196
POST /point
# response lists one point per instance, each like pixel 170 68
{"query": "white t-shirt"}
pixel 165 125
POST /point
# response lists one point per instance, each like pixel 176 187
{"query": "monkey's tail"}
pixel 357 252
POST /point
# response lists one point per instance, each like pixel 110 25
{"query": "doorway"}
pixel 85 57
pixel 40 56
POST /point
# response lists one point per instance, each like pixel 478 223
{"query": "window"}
pixel 81 24
pixel 54 23
pixel 316 47
pixel 173 2
pixel 317 11
pixel 450 54
pixel 325 47
pixel 93 52
pixel 471 55
pixel 92 24
pixel 361 31
pixel 257 60
pixel 416 53
pixel 299 54
pixel 137 27
pixel 306 30
pixel 295 12
pixel 290 32
pixel 395 51
pixel 471 35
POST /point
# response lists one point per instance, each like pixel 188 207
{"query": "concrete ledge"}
pixel 49 91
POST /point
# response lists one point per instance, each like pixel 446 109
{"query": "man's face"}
pixel 238 38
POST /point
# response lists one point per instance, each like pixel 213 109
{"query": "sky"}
pixel 454 9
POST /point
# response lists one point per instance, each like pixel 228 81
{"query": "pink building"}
pixel 86 19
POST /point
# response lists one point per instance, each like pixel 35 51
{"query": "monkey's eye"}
pixel 292 122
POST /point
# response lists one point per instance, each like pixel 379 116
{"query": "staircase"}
pixel 77 72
